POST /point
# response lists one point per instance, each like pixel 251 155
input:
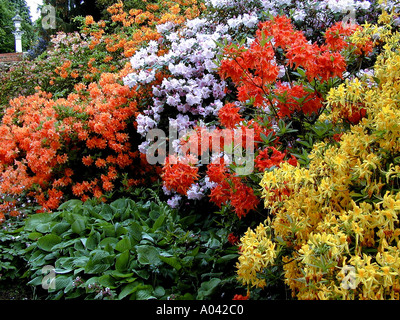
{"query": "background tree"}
pixel 6 27
pixel 8 9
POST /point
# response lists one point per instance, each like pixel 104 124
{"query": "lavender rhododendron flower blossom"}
pixel 195 192
pixel 174 201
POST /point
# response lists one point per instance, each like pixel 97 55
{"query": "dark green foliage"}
pixel 127 249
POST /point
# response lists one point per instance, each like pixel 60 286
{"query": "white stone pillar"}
pixel 18 33
pixel 18 42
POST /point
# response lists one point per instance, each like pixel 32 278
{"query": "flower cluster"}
pixel 308 16
pixel 256 68
pixel 58 143
pixel 190 91
pixel 336 228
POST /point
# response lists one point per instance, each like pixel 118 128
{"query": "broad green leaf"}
pixel 106 212
pixel 227 257
pixel 172 261
pixel 96 267
pixel 37 281
pixel 122 275
pixel 34 235
pixel 159 222
pixel 62 282
pixel 78 226
pixel 108 241
pixel 65 263
pixel 123 245
pixel 122 261
pixel 145 294
pixel 159 291
pixel 37 219
pixel 93 240
pixel 70 205
pixel 127 290
pixel 99 262
pixel 107 281
pixel 45 227
pixel 120 230
pixel 60 227
pixel 135 230
pixel 148 255
pixel 48 241
pixel 207 288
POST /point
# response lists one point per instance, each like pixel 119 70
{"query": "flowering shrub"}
pixel 334 227
pixel 70 61
pixel 84 124
pixel 272 113
pixel 100 47
pixel 255 72
pixel 311 17
pixel 76 146
pixel 194 94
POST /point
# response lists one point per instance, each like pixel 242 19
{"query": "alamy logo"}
pixel 349 281
pixel 49 279
pixel 48 17
pixel 237 145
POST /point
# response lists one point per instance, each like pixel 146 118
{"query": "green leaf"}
pixel 107 212
pixel 122 261
pixel 154 214
pixel 207 288
pixel 145 294
pixel 172 261
pixel 123 245
pixel 159 291
pixel 127 290
pixel 135 230
pixel 78 226
pixel 93 240
pixel 301 72
pixel 108 241
pixel 227 257
pixel 70 205
pixel 60 227
pixel 122 275
pixel 34 235
pixel 65 263
pixel 99 262
pixel 45 227
pixel 37 219
pixel 120 230
pixel 148 255
pixel 36 281
pixel 48 241
pixel 159 222
pixel 107 281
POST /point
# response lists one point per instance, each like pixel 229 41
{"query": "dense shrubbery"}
pixel 296 112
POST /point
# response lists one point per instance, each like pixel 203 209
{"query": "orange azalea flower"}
pixel 100 163
pixel 89 20
pixel 229 115
pixel 179 176
pixel 231 188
